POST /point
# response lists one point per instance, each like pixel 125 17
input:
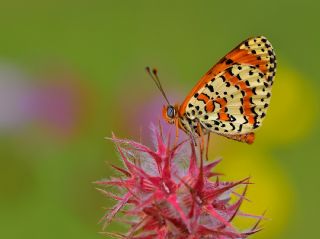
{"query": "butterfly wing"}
pixel 233 96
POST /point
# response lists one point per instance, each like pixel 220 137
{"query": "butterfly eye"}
pixel 171 111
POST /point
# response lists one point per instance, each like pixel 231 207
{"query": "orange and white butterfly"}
pixel 232 98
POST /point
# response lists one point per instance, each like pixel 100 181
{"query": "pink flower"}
pixel 168 193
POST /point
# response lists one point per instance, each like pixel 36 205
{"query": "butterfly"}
pixel 232 98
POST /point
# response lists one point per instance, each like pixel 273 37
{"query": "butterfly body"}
pixel 232 98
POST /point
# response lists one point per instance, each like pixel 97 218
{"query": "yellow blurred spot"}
pixel 292 109
pixel 271 190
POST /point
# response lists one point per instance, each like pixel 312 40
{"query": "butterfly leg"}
pixel 177 133
pixel 207 146
pixel 193 139
pixel 201 138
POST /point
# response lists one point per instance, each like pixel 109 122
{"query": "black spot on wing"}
pixel 232 125
pixel 229 70
pixel 229 61
pixel 240 128
pixel 253 110
pixel 216 122
pixel 210 87
pixel 254 90
pixel 232 118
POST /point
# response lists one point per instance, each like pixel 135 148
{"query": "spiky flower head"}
pixel 169 193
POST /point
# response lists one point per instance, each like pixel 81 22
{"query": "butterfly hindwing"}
pixel 233 96
pixel 234 102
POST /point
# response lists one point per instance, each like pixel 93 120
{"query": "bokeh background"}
pixel 71 72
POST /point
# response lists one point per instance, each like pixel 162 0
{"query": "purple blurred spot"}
pixel 14 98
pixel 56 101
pixel 148 113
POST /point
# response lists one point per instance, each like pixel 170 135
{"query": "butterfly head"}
pixel 169 113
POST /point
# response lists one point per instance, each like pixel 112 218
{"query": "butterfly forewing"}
pixel 233 96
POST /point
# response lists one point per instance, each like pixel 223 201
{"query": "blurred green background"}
pixel 73 71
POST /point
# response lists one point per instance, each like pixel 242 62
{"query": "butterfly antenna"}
pixel 155 78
